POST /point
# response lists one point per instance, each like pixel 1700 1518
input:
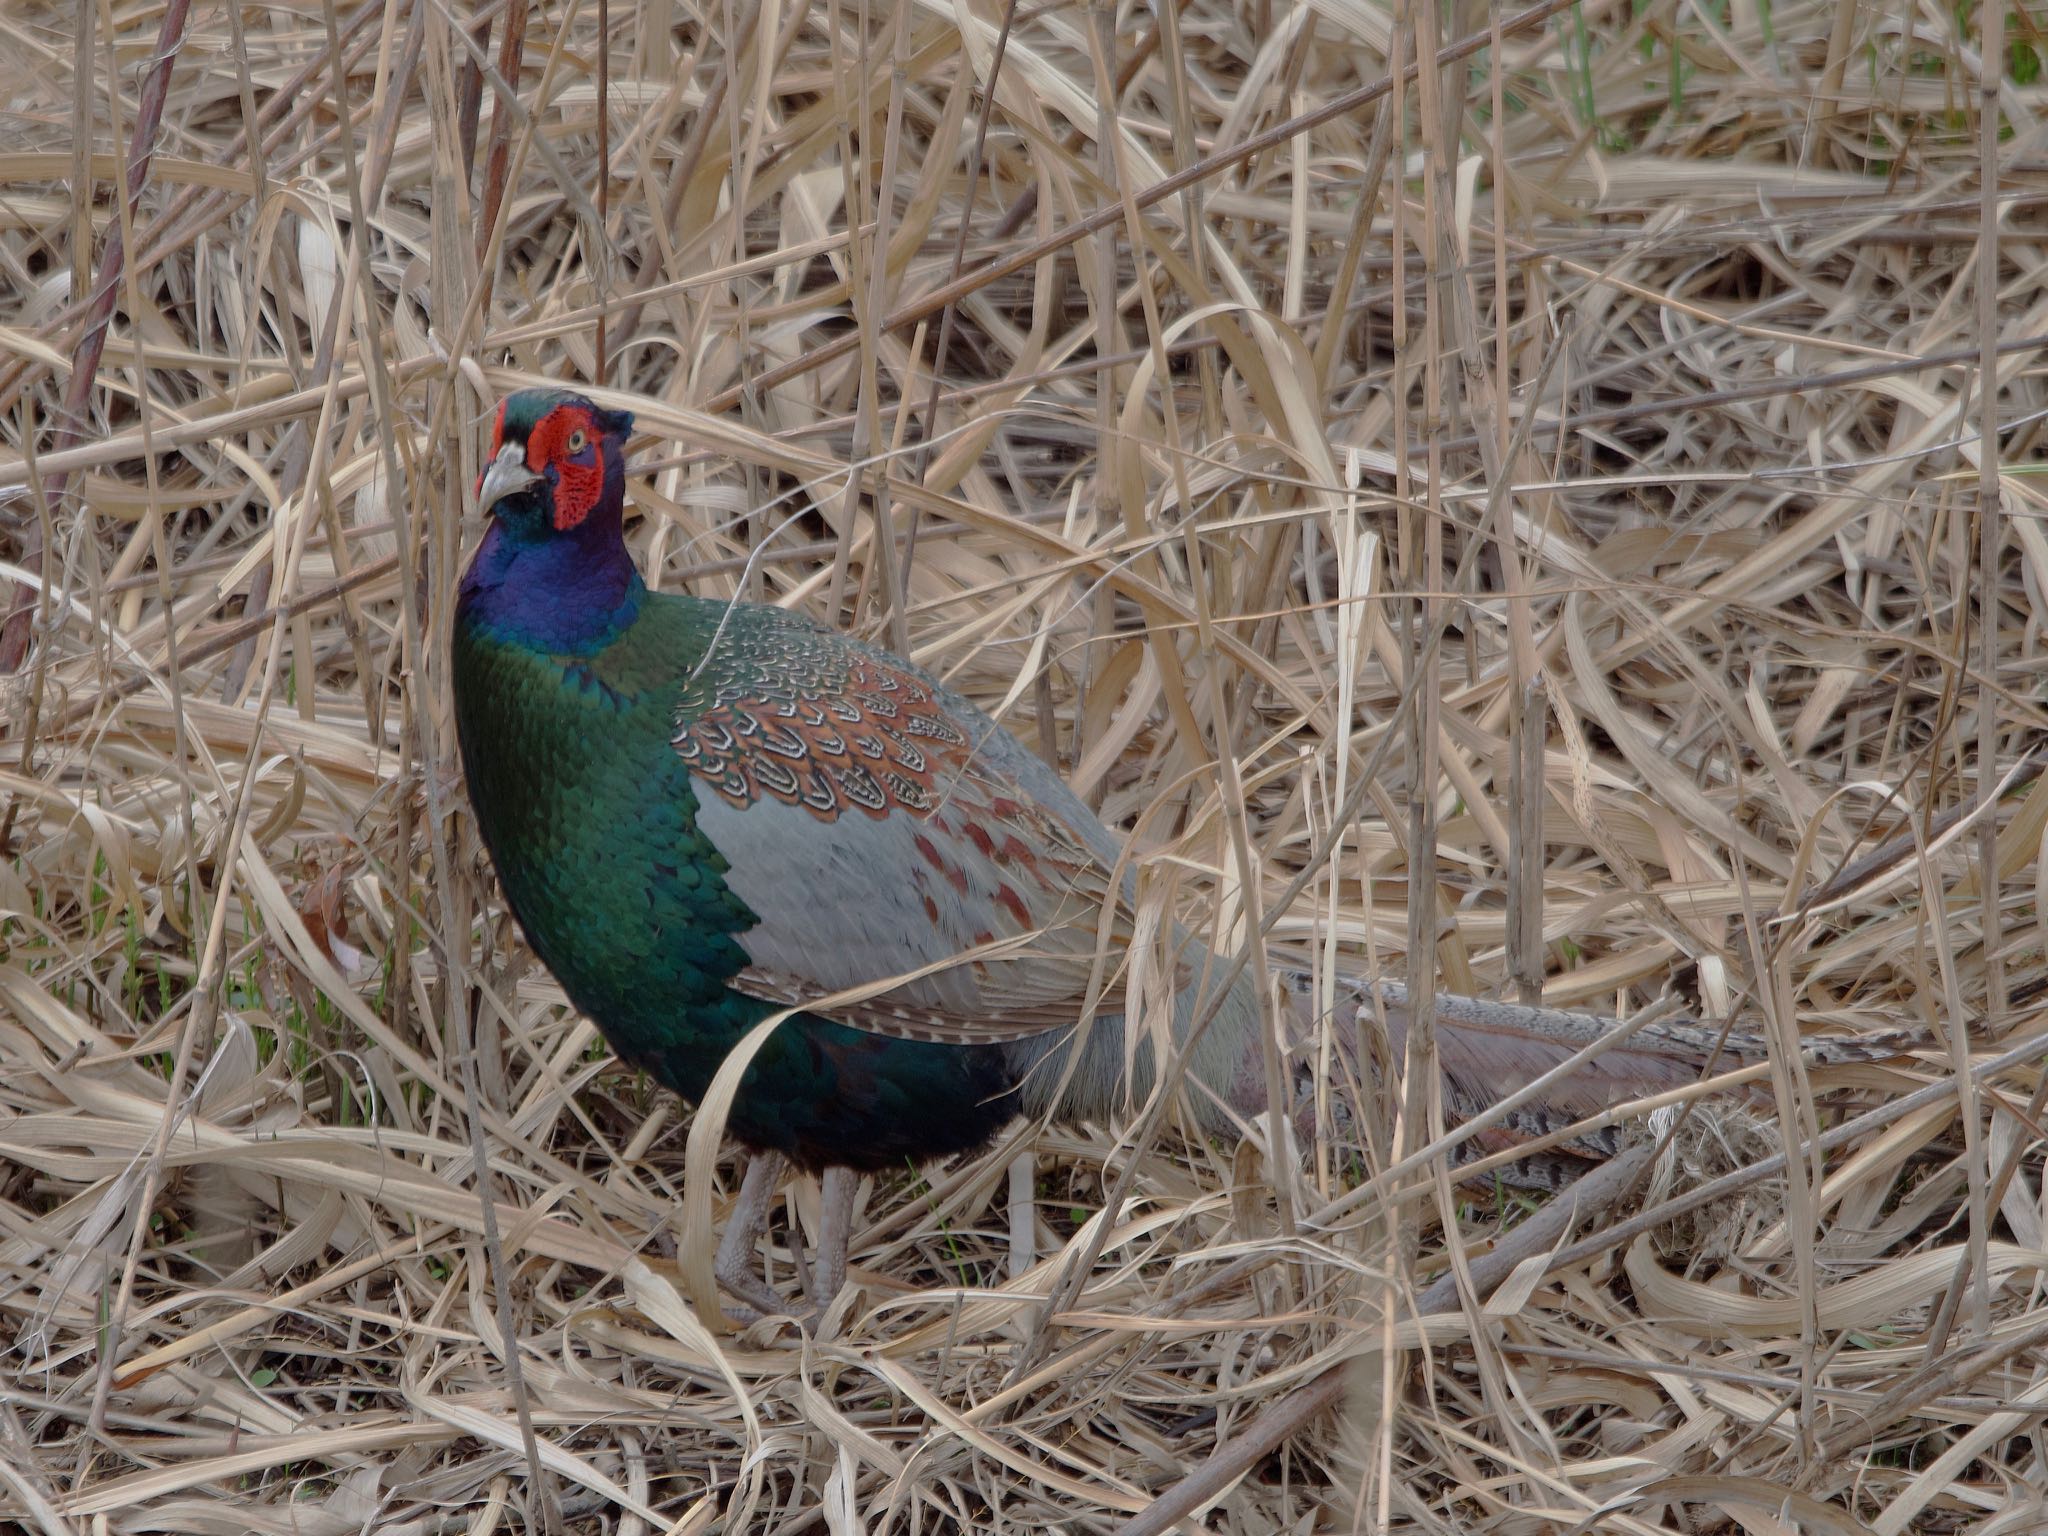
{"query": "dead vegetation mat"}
pixel 1575 495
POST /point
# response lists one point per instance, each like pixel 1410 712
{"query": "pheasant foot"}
pixel 734 1264
pixel 826 1276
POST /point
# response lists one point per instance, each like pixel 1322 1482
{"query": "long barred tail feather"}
pixel 1488 1051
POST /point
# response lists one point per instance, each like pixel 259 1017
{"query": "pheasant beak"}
pixel 506 475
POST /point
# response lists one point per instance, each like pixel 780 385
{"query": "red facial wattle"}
pixel 566 441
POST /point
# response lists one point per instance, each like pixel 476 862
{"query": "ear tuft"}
pixel 613 423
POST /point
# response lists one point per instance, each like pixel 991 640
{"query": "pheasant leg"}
pixel 835 1228
pixel 735 1264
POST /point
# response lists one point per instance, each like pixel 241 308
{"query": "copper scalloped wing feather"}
pixel 879 827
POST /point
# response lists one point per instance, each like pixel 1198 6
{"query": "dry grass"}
pixel 1651 385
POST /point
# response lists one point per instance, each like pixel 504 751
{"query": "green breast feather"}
pixel 592 824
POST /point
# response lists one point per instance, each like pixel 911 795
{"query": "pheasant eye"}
pixel 577 441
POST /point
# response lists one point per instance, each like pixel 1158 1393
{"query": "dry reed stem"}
pixel 1644 359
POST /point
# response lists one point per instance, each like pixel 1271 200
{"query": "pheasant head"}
pixel 557 462
pixel 552 571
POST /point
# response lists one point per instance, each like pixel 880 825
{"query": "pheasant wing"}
pixel 881 827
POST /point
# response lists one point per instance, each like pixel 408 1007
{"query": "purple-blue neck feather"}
pixel 563 593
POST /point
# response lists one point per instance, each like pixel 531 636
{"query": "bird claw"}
pixel 761 1302
pixel 755 1296
pixel 823 1275
pixel 757 1303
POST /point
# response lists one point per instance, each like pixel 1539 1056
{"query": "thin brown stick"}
pixel 602 233
pixel 943 348
pixel 1990 510
pixel 511 48
pixel 91 339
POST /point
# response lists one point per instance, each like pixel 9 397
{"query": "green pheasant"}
pixel 703 813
